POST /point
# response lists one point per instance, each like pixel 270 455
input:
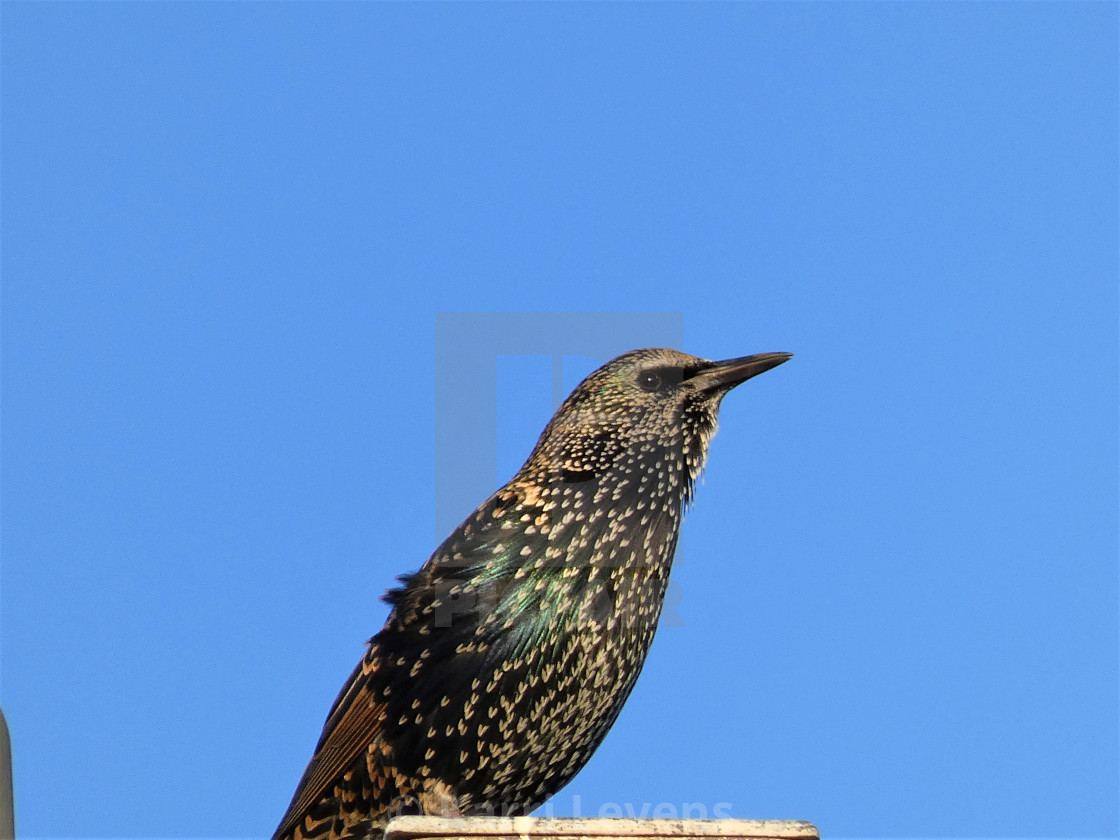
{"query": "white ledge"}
pixel 517 828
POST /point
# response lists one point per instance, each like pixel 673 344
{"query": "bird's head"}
pixel 652 405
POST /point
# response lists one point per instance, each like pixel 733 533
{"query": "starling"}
pixel 508 655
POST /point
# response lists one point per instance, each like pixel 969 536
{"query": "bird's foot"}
pixel 439 800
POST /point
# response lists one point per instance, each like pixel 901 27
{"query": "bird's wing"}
pixel 352 725
pixel 479 560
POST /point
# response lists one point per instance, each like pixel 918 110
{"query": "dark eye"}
pixel 649 380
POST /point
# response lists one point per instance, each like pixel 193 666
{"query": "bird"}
pixel 509 654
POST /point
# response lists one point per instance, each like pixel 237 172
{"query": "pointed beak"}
pixel 723 376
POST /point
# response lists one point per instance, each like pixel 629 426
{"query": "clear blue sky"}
pixel 227 231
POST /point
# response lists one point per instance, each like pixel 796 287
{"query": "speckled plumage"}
pixel 508 656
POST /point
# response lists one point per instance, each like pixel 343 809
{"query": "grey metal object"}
pixel 7 808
